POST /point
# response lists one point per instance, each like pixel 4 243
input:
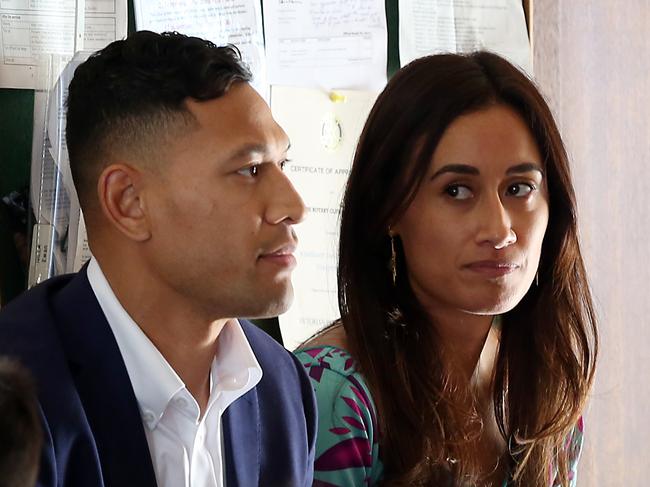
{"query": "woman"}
pixel 467 340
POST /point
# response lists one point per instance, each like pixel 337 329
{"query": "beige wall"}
pixel 592 61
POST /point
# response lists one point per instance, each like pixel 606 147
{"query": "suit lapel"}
pixel 241 438
pixel 104 387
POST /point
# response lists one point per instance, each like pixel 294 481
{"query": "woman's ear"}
pixel 119 190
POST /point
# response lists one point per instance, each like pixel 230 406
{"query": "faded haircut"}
pixel 130 97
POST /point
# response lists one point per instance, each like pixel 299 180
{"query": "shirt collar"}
pixel 235 369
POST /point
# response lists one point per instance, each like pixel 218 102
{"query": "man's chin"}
pixel 272 306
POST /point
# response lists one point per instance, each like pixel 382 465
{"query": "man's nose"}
pixel 286 204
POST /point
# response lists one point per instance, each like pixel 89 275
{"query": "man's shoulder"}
pixel 38 294
pixel 266 348
pixel 280 368
pixel 287 406
pixel 30 311
pixel 30 325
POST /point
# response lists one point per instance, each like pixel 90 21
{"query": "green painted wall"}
pixel 16 121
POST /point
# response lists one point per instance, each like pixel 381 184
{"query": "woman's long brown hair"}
pixel 545 364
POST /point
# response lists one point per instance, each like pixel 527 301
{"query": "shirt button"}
pixel 148 417
pixel 181 402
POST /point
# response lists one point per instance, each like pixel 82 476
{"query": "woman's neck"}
pixel 467 344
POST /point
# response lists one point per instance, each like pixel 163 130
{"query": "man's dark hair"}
pixel 20 427
pixel 131 93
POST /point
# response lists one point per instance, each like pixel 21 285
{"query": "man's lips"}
pixel 493 268
pixel 281 256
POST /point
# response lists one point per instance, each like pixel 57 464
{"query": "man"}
pixel 144 375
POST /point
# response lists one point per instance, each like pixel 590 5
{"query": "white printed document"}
pixel 330 44
pixel 30 29
pixel 237 22
pixel 323 128
pixel 59 241
pixel 428 27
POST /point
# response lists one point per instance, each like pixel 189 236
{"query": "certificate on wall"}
pixel 31 29
pixel 324 128
pixel 427 27
pixel 237 22
pixel 326 43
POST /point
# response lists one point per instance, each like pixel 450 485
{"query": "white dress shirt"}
pixel 186 449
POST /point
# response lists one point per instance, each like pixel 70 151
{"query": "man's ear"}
pixel 119 189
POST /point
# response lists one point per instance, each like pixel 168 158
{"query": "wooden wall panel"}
pixel 592 61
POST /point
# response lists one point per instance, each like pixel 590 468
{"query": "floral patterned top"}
pixel 347 446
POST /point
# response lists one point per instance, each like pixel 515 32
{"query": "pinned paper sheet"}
pixel 31 29
pixel 222 22
pixel 324 128
pixel 329 44
pixel 427 27
pixel 59 238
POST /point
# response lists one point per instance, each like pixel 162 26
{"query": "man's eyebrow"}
pixel 525 167
pixel 456 168
pixel 248 150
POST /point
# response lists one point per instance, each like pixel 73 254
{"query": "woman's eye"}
pixel 250 171
pixel 520 189
pixel 458 192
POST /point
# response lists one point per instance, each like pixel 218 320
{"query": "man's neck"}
pixel 189 353
pixel 185 337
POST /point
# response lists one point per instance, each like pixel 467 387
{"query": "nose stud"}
pixel 509 240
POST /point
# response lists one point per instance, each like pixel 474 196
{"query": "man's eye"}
pixel 284 163
pixel 520 189
pixel 250 171
pixel 458 192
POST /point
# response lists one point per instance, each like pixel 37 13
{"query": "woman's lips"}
pixel 492 268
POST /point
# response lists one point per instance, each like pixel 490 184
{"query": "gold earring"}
pixel 393 259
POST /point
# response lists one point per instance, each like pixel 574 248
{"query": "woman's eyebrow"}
pixel 456 168
pixel 525 167
pixel 467 169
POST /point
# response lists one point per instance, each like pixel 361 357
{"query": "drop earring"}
pixel 393 259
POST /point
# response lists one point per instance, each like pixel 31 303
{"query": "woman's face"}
pixel 472 237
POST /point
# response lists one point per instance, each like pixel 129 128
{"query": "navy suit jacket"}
pixel 93 431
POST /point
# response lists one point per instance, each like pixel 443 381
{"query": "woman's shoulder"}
pixel 333 335
pixel 330 364
pixel 330 357
pixel 334 372
pixel 347 449
pixel 328 350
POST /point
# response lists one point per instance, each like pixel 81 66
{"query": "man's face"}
pixel 221 210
